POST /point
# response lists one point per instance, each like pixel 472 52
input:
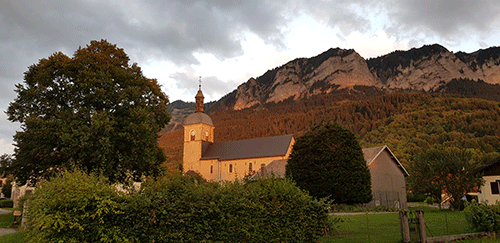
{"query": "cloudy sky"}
pixel 228 41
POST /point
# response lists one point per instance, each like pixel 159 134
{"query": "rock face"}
pixel 331 70
pixel 427 68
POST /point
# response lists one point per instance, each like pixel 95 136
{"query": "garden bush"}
pixel 482 217
pixel 76 207
pixel 6 203
pixel 268 210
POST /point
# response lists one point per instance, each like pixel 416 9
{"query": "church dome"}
pixel 198 117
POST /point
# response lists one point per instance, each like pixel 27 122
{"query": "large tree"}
pixel 93 111
pixel 328 161
pixel 447 170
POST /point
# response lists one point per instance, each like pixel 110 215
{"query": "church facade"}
pixel 229 160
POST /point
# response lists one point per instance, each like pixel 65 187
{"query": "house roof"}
pixel 249 148
pixel 493 165
pixel 274 168
pixel 372 153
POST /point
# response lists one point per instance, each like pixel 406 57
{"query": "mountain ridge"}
pixel 425 69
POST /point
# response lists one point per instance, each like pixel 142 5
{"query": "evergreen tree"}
pixel 328 161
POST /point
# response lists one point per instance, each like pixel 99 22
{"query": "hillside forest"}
pixel 407 122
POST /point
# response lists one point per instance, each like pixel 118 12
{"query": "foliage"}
pixel 443 169
pixel 415 197
pixel 75 207
pixel 405 122
pixel 81 208
pixel 268 210
pixel 6 203
pixel 328 162
pixel 93 111
pixel 483 217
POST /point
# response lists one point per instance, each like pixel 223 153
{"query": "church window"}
pixel 230 168
pixel 211 169
pixel 206 135
pixel 193 133
pixel 250 167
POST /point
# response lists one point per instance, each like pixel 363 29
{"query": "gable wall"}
pixel 388 182
pixel 484 195
pixel 220 169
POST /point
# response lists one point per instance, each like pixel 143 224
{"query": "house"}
pixel 229 160
pixel 387 177
pixel 489 193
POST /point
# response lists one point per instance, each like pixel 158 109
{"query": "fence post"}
pixel 404 226
pixel 419 214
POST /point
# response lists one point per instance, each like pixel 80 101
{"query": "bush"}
pixel 75 207
pixel 6 203
pixel 80 208
pixel 268 210
pixel 482 217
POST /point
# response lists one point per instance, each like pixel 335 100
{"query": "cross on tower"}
pixel 200 82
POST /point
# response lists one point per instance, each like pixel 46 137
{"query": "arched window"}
pixel 230 168
pixel 250 167
pixel 193 133
pixel 211 169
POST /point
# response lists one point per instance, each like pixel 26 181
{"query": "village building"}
pixel 264 157
pixel 489 193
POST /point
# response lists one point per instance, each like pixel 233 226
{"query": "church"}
pixel 229 160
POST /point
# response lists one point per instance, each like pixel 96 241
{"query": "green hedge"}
pixel 6 203
pixel 81 208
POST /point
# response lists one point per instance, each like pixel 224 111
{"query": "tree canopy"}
pixel 328 161
pixel 447 170
pixel 93 111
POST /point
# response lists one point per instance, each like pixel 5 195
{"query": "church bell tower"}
pixel 198 135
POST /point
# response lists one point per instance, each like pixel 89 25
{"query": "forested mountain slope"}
pixel 407 122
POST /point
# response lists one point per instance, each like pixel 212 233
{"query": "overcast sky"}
pixel 228 41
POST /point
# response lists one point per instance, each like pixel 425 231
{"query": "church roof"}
pixel 198 117
pixel 249 148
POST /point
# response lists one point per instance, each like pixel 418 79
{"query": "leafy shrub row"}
pixel 81 208
pixel 6 203
pixel 482 217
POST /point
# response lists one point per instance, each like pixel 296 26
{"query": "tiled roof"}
pixel 249 148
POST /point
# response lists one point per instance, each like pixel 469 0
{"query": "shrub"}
pixel 80 208
pixel 268 210
pixel 75 207
pixel 482 217
pixel 6 203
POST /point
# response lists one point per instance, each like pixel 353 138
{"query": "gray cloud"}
pixel 212 87
pixel 449 21
pixel 173 30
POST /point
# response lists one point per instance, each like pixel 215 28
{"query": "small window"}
pixel 250 167
pixel 211 169
pixel 494 187
pixel 262 166
pixel 193 133
pixel 230 168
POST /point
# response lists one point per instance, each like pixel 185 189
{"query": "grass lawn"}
pixel 6 222
pixel 384 227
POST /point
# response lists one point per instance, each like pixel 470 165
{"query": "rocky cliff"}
pixel 425 69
